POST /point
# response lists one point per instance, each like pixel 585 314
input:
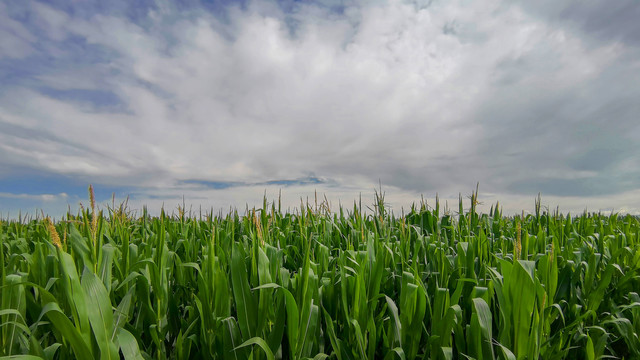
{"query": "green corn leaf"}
pixel 333 338
pixel 398 352
pixel 59 320
pixel 261 343
pixel 129 345
pixel 100 314
pixel 74 294
pixel 246 306
pixel 484 319
pixel 396 324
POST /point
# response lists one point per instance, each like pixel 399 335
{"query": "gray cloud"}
pixel 570 137
pixel 602 21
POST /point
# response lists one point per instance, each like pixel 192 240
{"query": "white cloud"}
pixel 40 197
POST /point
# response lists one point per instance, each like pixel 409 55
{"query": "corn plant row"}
pixel 314 284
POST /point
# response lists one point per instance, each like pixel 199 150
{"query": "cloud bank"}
pixel 222 102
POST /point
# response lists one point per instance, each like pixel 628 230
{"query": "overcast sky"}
pixel 224 101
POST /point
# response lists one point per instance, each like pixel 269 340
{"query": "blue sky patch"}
pixel 221 185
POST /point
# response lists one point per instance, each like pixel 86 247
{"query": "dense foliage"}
pixel 429 284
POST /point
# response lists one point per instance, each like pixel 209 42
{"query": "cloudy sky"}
pixel 222 102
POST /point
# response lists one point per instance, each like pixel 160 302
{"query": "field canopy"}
pixel 312 284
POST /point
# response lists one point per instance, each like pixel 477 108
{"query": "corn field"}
pixel 316 284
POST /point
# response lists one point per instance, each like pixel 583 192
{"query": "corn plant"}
pixel 360 283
